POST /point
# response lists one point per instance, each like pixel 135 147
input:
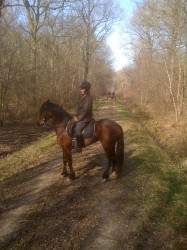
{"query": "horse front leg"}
pixel 72 172
pixel 64 171
pixel 68 161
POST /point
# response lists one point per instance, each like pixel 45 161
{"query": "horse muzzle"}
pixel 41 122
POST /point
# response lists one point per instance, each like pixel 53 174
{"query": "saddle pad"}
pixel 88 132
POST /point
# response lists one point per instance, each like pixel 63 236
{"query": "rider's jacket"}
pixel 84 111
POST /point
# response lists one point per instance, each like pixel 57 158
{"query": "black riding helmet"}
pixel 85 85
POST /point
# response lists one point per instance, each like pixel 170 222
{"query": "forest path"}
pixel 55 213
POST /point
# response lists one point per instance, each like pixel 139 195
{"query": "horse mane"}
pixel 58 110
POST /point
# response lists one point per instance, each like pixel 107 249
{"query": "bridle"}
pixel 44 120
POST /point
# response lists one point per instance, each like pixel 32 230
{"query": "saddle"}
pixel 88 132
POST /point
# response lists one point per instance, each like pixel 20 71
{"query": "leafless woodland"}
pixel 158 43
pixel 48 47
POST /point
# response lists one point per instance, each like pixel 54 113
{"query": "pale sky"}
pixel 116 39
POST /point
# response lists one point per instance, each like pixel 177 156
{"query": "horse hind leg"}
pixel 110 153
pixel 119 159
pixel 113 175
pixel 106 172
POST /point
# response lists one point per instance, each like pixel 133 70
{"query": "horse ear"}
pixel 48 100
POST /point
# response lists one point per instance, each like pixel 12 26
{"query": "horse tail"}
pixel 120 154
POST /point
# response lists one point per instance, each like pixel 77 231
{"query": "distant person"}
pixel 113 95
pixel 108 95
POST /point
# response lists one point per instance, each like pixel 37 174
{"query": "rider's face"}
pixel 83 91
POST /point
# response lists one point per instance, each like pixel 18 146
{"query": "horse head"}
pixel 45 114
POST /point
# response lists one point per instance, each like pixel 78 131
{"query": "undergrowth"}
pixel 165 190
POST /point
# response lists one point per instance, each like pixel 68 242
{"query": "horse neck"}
pixel 60 121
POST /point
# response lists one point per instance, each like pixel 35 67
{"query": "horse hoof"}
pixel 65 174
pixel 105 175
pixel 72 177
pixel 113 176
pixel 103 180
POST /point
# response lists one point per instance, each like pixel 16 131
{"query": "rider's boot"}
pixel 79 144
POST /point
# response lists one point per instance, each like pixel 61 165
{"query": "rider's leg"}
pixel 80 140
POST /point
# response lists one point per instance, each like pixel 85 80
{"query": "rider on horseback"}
pixel 84 114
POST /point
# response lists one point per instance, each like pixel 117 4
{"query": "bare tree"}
pixel 8 53
pixel 96 18
pixel 36 13
pixel 158 36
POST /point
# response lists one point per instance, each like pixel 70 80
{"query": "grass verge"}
pixel 163 185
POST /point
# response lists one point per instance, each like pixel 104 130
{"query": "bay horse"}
pixel 108 132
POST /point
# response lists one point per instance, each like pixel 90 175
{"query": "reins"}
pixel 48 125
pixel 64 128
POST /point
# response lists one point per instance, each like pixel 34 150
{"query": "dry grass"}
pixel 27 157
pixel 165 190
pixel 168 134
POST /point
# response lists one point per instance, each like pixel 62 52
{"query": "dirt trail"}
pixel 10 219
pixel 55 213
